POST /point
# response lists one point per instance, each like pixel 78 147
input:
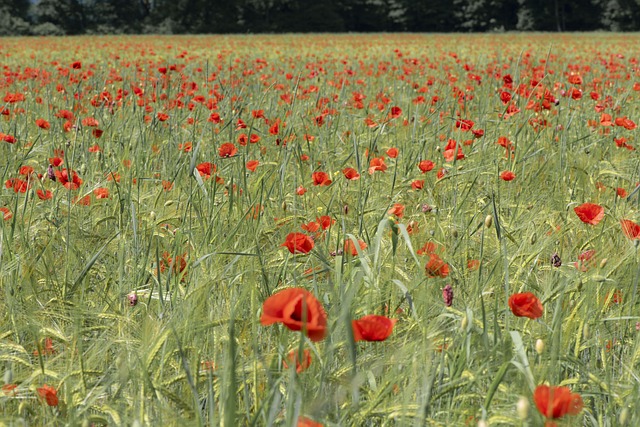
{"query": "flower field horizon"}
pixel 320 230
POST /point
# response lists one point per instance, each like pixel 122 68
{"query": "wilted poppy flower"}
pixel 556 402
pixel 286 307
pixel 321 178
pixel 526 305
pixel 351 174
pixel 293 357
pixel 507 176
pixel 372 328
pixel 436 267
pixel 298 243
pixel 589 213
pixel 447 295
pixel 630 229
pixel 49 394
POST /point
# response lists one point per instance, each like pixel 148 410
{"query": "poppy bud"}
pixel 454 233
pixel 533 238
pixel 539 346
pixel 50 173
pixel 133 299
pixel 152 216
pixel 284 206
pixel 555 260
pixel 464 323
pixel 345 209
pixel 522 408
pixel 624 416
pixel 488 221
pixel 447 295
pixel 586 331
pixel 8 376
pixel 603 263
pixel 168 203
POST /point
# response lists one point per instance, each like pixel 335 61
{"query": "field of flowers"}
pixel 344 230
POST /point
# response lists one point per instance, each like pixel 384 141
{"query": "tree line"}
pixel 71 17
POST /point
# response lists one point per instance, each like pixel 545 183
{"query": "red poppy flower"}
pixel 49 394
pixel 6 213
pixel 395 112
pixel 507 176
pixel 350 248
pixel 321 178
pixel 252 165
pixel 450 151
pixel 298 243
pixel 418 184
pixel 163 117
pixel 464 125
pixel 227 150
pixel 18 185
pixel 436 267
pixel 286 307
pixel 589 213
pixel 425 166
pixel 621 192
pixel 8 389
pixel 293 357
pixel 311 227
pixel 301 190
pixel 72 182
pixel 351 174
pixel 372 328
pixel 205 169
pixel 44 195
pixel 76 65
pixel 625 123
pixel 43 124
pixel 526 305
pixel 325 221
pixel 377 164
pixel 90 122
pixel 392 152
pixel 556 402
pixel 101 193
pixel 630 229
pixel 397 209
pixel 306 422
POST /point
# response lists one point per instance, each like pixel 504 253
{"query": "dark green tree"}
pixel 13 17
pixel 60 16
